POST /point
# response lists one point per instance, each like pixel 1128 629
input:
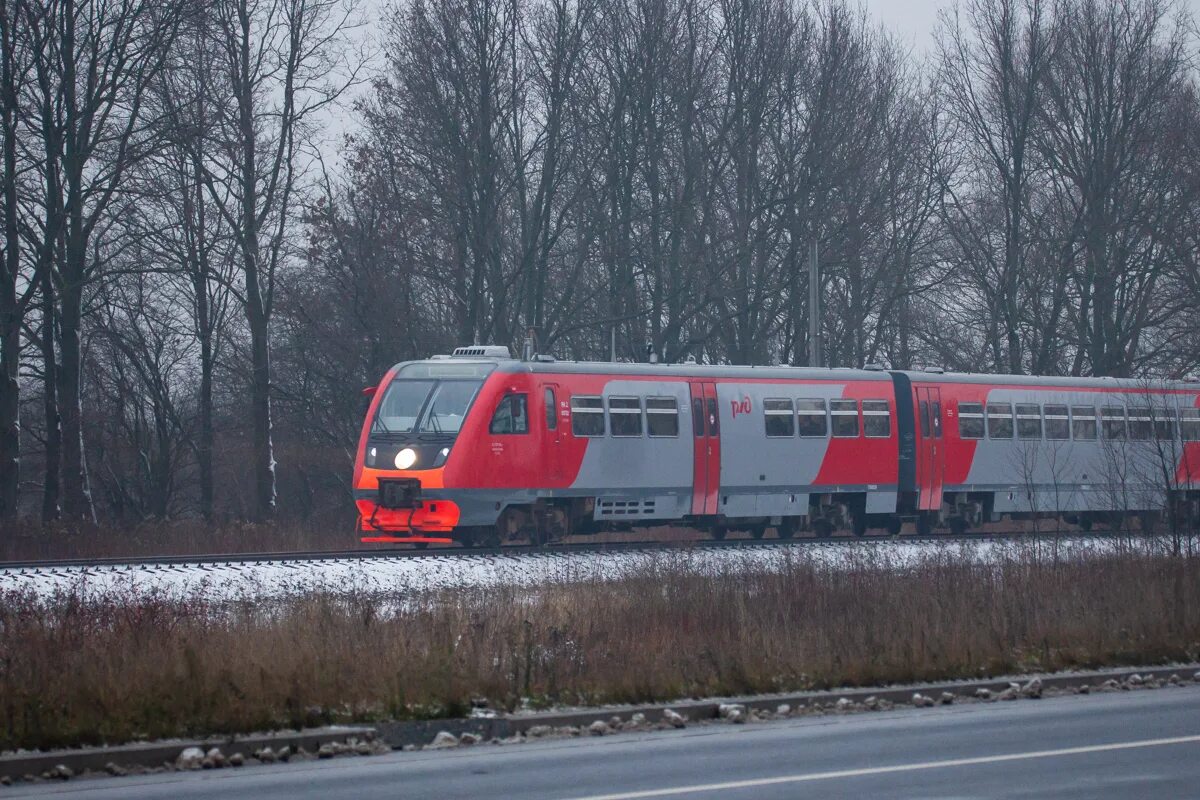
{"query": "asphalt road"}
pixel 1130 744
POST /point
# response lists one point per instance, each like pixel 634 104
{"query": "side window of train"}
pixel 1141 423
pixel 778 418
pixel 1112 422
pixel 1189 424
pixel 1029 421
pixel 551 410
pixel 587 416
pixel 924 408
pixel 714 418
pixel 698 416
pixel 843 415
pixel 511 415
pixel 999 421
pixel 1083 423
pixel 970 420
pixel 937 419
pixel 1058 424
pixel 1164 424
pixel 662 416
pixel 877 419
pixel 811 419
pixel 625 416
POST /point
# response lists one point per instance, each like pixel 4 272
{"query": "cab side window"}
pixel 511 415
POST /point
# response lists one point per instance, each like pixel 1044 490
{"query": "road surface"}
pixel 1130 744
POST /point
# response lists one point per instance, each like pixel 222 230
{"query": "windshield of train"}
pixel 430 398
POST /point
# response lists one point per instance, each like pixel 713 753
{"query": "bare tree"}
pixel 281 62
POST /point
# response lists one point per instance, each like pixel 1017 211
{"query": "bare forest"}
pixel 192 292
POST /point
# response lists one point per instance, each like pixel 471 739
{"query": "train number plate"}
pixel 399 493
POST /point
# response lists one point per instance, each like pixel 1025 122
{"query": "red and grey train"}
pixel 479 447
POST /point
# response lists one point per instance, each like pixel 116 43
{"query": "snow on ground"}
pixel 459 569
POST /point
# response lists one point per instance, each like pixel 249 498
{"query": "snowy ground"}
pixel 461 569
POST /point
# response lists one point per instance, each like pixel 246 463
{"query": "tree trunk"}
pixel 10 313
pixel 51 486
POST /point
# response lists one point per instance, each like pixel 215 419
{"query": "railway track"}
pixel 557 549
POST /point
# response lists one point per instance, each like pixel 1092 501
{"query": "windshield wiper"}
pixel 381 424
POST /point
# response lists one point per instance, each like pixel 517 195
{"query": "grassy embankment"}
pixel 76 671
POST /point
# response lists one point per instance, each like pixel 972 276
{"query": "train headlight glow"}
pixel 406 458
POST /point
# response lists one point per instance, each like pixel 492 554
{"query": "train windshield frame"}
pixel 429 398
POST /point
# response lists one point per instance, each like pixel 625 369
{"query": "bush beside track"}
pixel 78 671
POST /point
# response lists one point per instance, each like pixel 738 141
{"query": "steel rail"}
pixel 360 554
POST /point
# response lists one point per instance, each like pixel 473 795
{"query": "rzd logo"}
pixel 740 406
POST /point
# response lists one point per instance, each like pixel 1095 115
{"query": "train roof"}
pixel 549 365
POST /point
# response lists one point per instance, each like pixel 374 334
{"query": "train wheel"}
pixel 924 524
pixel 758 531
pixel 719 531
pixel 785 529
pixel 958 525
pixel 466 537
pixel 490 539
pixel 822 528
pixel 894 524
pixel 1085 523
pixel 858 524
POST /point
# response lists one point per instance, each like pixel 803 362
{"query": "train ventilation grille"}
pixel 625 508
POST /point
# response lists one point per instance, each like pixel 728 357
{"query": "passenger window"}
pixel 779 418
pixel 510 416
pixel 843 416
pixel 625 416
pixel 698 416
pixel 937 419
pixel 1029 422
pixel 1058 424
pixel 1112 422
pixel 999 421
pixel 811 418
pixel 1141 427
pixel 1083 423
pixel 1164 424
pixel 714 419
pixel 551 410
pixel 662 416
pixel 877 418
pixel 1189 424
pixel 970 420
pixel 587 416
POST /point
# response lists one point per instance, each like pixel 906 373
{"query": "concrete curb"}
pixel 155 754
pixel 399 734
pixel 407 733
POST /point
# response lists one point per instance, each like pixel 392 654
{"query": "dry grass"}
pixel 30 541
pixel 76 671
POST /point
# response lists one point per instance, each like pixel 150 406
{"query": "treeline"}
pixel 188 295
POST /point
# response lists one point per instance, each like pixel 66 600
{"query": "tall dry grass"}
pixel 31 541
pixel 74 670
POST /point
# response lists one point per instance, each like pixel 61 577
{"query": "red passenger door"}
pixel 706 454
pixel 931 461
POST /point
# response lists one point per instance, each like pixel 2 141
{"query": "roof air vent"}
pixel 935 370
pixel 873 367
pixel 482 351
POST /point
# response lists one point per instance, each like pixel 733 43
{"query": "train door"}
pixel 932 459
pixel 554 432
pixel 706 459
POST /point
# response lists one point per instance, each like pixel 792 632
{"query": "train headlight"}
pixel 371 457
pixel 406 458
pixel 441 456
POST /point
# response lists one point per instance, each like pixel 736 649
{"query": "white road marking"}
pixel 853 773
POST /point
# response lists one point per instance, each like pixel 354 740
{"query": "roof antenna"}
pixel 527 349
